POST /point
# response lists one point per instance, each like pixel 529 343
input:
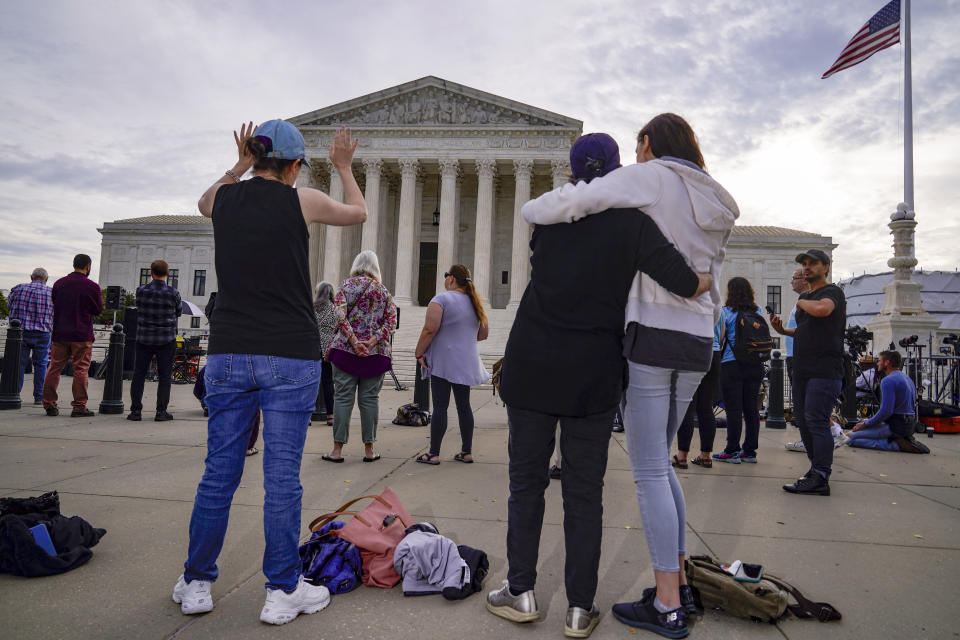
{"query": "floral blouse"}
pixel 373 314
pixel 327 325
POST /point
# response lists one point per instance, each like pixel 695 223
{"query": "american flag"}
pixel 880 32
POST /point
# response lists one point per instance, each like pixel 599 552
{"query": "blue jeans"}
pixel 877 437
pixel 37 344
pixel 657 399
pixel 813 402
pixel 238 385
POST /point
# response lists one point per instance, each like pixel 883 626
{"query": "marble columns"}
pixel 332 253
pixel 560 170
pixel 520 270
pixel 372 168
pixel 447 236
pixel 482 251
pixel 406 231
pixel 306 178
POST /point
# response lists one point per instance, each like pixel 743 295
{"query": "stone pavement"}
pixel 884 549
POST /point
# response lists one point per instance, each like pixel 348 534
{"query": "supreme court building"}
pixel 445 170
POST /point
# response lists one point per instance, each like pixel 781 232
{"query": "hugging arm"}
pixel 630 186
pixel 660 260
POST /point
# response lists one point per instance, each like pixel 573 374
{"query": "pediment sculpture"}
pixel 432 106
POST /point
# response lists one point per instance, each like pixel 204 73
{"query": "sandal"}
pixel 426 458
pixel 678 463
pixel 375 457
pixel 700 461
pixel 330 459
pixel 462 457
pixel 252 451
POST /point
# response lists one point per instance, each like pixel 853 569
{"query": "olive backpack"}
pixel 767 600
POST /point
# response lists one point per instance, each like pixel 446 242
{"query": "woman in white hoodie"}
pixel 669 339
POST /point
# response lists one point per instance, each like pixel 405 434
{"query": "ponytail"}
pixel 462 275
pixel 259 147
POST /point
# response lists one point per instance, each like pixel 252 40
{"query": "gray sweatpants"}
pixel 657 399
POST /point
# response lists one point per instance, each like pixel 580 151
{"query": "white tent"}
pixel 940 295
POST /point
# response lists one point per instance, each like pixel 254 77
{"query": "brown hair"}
pixel 159 268
pixel 893 357
pixel 462 275
pixel 262 162
pixel 671 135
pixel 740 295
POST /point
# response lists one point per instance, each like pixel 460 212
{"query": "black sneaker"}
pixel 83 413
pixel 556 472
pixel 689 599
pixel 53 411
pixel 135 416
pixel 643 615
pixel 162 416
pixel 813 484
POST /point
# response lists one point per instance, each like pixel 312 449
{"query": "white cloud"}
pixel 117 109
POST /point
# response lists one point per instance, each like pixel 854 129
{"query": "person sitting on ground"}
pixel 836 430
pixel 447 352
pixel 896 418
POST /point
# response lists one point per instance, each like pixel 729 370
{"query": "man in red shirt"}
pixel 76 300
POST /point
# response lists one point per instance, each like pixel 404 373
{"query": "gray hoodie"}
pixel 429 562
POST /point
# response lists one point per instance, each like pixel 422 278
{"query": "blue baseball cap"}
pixel 594 155
pixel 282 140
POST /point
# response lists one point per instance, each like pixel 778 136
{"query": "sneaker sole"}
pixel 728 460
pixel 824 492
pixel 289 615
pixel 187 610
pixel 652 627
pixel 511 614
pixel 581 633
pixel 746 461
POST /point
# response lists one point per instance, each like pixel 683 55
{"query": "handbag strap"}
pixel 805 608
pixel 378 498
pixel 357 299
pixel 320 521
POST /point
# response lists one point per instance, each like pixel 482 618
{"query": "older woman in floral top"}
pixel 360 352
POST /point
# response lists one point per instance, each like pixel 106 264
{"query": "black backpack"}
pixel 752 343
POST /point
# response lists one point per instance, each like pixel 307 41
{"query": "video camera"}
pixel 857 338
pixel 908 342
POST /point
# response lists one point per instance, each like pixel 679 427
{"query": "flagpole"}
pixel 907 111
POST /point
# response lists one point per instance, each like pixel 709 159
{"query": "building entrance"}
pixel 427 286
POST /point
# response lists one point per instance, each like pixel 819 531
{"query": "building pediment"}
pixel 434 102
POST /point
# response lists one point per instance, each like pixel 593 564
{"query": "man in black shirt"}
pixel 564 362
pixel 817 367
pixel 158 308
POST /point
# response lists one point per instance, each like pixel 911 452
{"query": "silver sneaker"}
pixel 580 622
pixel 795 446
pixel 521 608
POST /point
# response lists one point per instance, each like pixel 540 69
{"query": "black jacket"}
pixel 22 556
pixel 564 354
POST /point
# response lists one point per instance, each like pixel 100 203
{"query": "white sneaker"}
pixel 840 439
pixel 281 608
pixel 795 446
pixel 193 597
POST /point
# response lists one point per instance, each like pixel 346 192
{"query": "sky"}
pixel 113 110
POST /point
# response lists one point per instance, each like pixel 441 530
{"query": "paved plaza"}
pixel 884 548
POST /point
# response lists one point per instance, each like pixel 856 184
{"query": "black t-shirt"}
pixel 264 303
pixel 818 342
pixel 564 354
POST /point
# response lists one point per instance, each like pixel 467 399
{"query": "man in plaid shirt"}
pixel 158 308
pixel 32 304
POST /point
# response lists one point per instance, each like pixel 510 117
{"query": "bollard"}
pixel 10 376
pixel 113 384
pixel 421 390
pixel 775 398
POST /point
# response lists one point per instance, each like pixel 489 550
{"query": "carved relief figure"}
pixel 396 112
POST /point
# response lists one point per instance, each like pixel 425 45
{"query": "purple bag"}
pixel 328 560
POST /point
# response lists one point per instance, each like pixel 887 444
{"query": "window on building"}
pixel 173 278
pixel 195 322
pixel 144 276
pixel 199 282
pixel 773 298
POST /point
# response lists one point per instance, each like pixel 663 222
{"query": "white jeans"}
pixel 657 399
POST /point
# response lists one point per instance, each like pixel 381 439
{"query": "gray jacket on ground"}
pixel 429 562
